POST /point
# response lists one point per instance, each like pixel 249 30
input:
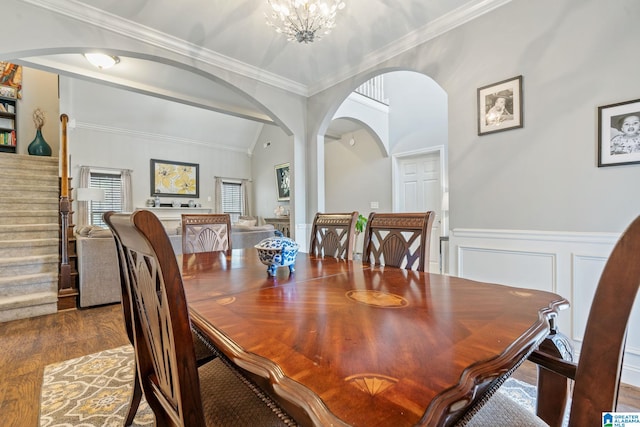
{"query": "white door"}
pixel 420 189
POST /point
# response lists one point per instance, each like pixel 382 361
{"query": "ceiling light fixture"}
pixel 303 20
pixel 102 60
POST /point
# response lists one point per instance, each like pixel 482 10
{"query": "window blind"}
pixel 232 200
pixel 112 186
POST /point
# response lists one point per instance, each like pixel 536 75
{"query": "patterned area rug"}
pixel 94 390
pixel 523 393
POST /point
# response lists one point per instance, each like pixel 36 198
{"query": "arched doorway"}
pixel 361 175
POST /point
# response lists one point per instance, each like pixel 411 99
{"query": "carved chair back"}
pixel 161 328
pixel 398 239
pixel 333 235
pixel 136 394
pixel 206 233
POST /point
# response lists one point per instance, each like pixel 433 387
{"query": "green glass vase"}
pixel 39 146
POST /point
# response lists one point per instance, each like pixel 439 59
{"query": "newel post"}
pixel 66 291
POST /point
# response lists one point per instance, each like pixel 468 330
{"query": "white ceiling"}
pixel 367 32
pixel 233 34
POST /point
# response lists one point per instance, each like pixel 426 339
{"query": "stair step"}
pixel 21 248
pixel 29 231
pixel 23 216
pixel 25 306
pixel 29 236
pixel 24 162
pixel 27 192
pixel 34 204
pixel 27 265
pixel 28 283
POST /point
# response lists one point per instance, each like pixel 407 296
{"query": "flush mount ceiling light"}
pixel 303 20
pixel 102 60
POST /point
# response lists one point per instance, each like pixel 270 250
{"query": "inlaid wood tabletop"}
pixel 339 343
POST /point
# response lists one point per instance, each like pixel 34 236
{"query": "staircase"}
pixel 29 236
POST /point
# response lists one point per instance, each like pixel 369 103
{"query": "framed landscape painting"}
pixel 174 179
pixel 500 106
pixel 283 182
pixel 619 133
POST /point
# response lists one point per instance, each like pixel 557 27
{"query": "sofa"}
pixel 249 236
pixel 98 270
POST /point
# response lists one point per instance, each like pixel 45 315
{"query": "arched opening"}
pixel 359 174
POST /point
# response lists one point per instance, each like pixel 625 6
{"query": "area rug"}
pixel 94 390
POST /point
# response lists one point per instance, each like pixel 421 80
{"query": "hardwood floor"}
pixel 29 345
pixel 628 397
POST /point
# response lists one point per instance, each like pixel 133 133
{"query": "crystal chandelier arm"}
pixel 301 19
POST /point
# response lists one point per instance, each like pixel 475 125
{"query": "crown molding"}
pixel 465 13
pixel 110 22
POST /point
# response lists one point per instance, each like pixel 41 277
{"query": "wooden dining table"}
pixel 342 343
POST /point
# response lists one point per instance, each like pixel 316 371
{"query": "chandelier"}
pixel 303 20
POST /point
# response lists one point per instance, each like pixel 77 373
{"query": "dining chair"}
pixel 203 353
pixel 206 233
pixel 333 235
pixel 398 239
pixel 178 391
pixel 596 376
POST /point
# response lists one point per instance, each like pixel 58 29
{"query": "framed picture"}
pixel 619 133
pixel 10 79
pixel 500 106
pixel 283 182
pixel 174 179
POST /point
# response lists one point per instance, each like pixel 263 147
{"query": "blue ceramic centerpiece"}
pixel 277 251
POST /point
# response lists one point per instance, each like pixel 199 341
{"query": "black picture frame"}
pixel 283 182
pixel 500 106
pixel 619 133
pixel 174 179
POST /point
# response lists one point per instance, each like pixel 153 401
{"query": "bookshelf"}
pixel 8 113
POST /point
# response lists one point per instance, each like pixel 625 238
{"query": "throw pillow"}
pixel 100 232
pixel 247 222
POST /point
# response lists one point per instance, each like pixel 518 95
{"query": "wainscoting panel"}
pixel 533 270
pixel 567 263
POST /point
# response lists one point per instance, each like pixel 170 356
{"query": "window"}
pixel 232 200
pixel 112 186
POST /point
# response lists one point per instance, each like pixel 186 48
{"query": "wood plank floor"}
pixel 28 345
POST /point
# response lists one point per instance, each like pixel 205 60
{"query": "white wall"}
pixel 419 115
pixel 39 90
pixel 263 162
pixel 573 56
pixel 124 130
pixel 356 175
